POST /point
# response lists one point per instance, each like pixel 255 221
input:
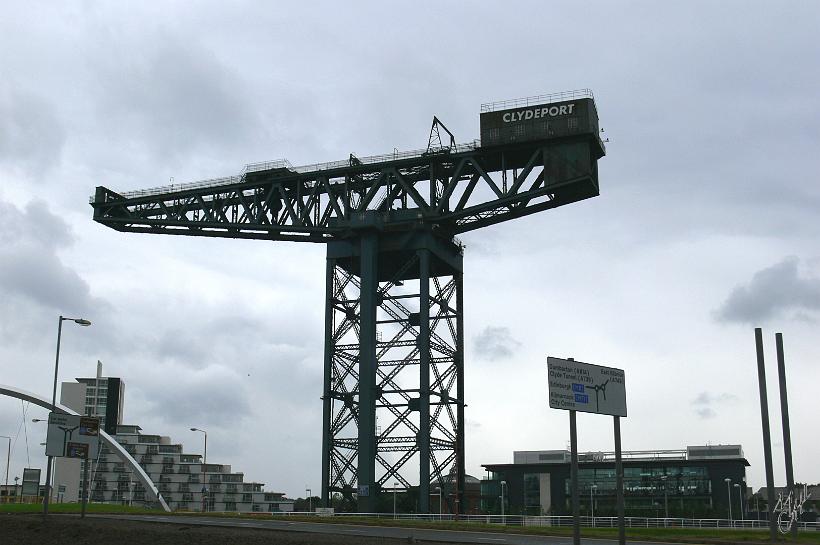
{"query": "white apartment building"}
pixel 185 482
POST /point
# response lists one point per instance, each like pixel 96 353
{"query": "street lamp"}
pixel 84 323
pixel 204 471
pixel 503 486
pixel 439 502
pixel 395 487
pixel 8 458
pixel 739 500
pixel 729 493
pixel 308 491
pixel 16 496
pixel 592 502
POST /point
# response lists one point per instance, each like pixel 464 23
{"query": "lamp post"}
pixel 729 493
pixel 84 323
pixel 592 501
pixel 395 487
pixel 16 496
pixel 204 471
pixel 308 492
pixel 8 458
pixel 739 501
pixel 439 502
pixel 503 486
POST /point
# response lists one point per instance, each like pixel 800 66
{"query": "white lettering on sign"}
pixel 536 113
pixel 578 386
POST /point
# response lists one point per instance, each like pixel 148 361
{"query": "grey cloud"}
pixel 175 97
pixel 495 343
pixel 215 395
pixel 771 292
pixel 195 340
pixel 31 135
pixel 705 412
pixel 705 403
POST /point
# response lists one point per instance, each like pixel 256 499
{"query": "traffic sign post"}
pixel 74 436
pixel 577 386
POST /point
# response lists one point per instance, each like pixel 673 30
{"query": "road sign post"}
pixel 577 386
pixel 74 436
pixel 576 503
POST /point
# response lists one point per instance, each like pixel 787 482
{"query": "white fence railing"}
pixel 566 521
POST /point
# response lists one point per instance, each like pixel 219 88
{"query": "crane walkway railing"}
pixel 536 100
pixel 284 164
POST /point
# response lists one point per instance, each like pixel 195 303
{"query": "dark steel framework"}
pixel 394 341
pixel 401 404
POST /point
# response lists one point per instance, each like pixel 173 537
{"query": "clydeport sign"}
pixel 584 387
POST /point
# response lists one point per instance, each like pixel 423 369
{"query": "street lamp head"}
pixel 82 322
pixel 736 485
pixel 727 480
pixel 194 429
pixel 37 420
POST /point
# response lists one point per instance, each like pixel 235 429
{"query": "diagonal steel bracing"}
pixel 416 408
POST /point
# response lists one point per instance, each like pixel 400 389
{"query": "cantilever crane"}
pixel 393 393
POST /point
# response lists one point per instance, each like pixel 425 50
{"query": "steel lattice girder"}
pixel 452 191
pixel 418 376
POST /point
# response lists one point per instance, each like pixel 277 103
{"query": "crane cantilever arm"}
pixel 456 192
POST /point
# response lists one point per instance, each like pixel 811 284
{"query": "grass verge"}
pixel 677 535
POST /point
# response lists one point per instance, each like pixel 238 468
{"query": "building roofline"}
pixel 626 462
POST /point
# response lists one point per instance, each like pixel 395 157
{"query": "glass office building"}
pixel 675 483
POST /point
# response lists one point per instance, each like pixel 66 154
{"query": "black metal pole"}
pixel 460 385
pixel 85 486
pixel 367 371
pixel 619 482
pixel 767 438
pixel 784 413
pixel 576 507
pixel 50 461
pixel 423 344
pixel 327 399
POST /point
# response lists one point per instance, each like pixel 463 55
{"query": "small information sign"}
pixel 578 386
pixel 31 482
pixel 72 435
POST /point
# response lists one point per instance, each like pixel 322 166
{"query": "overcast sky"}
pixel 707 224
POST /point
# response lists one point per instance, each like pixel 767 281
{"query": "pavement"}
pixel 352 530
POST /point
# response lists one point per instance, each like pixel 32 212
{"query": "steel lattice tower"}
pixel 393 395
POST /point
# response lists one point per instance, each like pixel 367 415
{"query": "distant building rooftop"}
pixel 705 452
